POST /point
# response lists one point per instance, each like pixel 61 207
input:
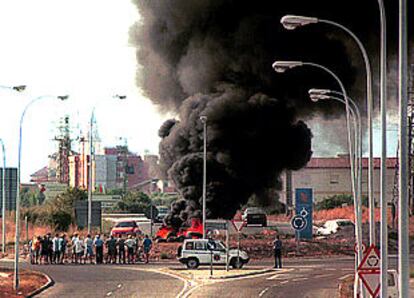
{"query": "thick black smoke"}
pixel 213 58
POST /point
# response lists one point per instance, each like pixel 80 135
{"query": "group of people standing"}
pixel 97 250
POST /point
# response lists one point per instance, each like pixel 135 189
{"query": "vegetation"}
pixel 57 212
pixel 338 201
pixel 29 197
pixel 162 199
pixel 133 202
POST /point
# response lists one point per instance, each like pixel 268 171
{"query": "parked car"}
pixel 255 216
pixel 125 227
pixel 194 253
pixel 333 226
pixel 162 212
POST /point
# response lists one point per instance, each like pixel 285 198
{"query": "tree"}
pixel 134 202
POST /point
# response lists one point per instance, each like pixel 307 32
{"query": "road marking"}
pixel 109 294
pixel 300 279
pixel 284 282
pixel 119 286
pixel 277 276
pixel 263 292
pixel 331 269
pixel 322 275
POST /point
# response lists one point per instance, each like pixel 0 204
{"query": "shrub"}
pixel 338 201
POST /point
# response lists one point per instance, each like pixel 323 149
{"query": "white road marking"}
pixel 263 292
pixel 284 282
pixel 300 279
pixel 109 294
pixel 277 276
pixel 331 269
pixel 322 275
pixel 119 286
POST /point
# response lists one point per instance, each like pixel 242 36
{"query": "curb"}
pixel 50 282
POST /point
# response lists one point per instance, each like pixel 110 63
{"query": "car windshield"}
pixel 345 223
pixel 126 224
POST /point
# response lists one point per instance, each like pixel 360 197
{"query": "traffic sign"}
pixel 298 222
pixel 363 247
pixel 371 260
pixel 369 271
pixel 238 225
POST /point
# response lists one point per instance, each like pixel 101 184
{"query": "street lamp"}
pixel 282 66
pixel 17 235
pixel 324 94
pixel 3 200
pixel 291 22
pixel 91 158
pixel 203 120
pixel 18 88
pixel 403 222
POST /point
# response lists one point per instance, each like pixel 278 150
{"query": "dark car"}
pixel 254 216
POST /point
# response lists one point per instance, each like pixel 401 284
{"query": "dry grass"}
pixel 29 281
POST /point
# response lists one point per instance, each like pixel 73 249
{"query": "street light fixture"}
pixel 203 120
pixel 17 235
pixel 91 159
pixel 292 22
pixel 282 66
pixel 324 94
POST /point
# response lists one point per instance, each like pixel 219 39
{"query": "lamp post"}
pixel 18 88
pixel 282 66
pixel 403 239
pixel 17 235
pixel 3 201
pixel 91 159
pixel 291 22
pixel 203 120
pixel 322 94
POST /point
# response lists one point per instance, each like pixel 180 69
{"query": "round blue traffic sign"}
pixel 298 222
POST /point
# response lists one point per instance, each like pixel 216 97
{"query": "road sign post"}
pixel 369 271
pixel 299 223
pixel 238 225
pixel 211 245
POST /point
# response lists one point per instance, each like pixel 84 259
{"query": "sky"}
pixel 80 48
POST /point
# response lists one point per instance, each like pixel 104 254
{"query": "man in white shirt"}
pixel 79 249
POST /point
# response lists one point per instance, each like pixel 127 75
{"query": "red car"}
pixel 125 227
pixel 195 231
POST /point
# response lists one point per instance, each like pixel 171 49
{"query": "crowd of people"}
pixel 61 249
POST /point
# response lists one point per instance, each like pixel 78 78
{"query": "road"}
pixel 302 278
pixel 107 281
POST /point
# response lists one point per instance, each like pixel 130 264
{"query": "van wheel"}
pixel 192 263
pixel 237 263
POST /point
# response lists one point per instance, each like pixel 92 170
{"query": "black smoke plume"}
pixel 213 58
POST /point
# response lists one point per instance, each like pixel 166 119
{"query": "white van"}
pixel 194 253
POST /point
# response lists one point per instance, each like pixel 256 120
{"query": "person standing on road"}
pixel 56 249
pixel 277 247
pixel 36 249
pixel 89 248
pixel 111 245
pixel 63 248
pixel 79 250
pixel 147 244
pixel 121 249
pixel 130 243
pixel 99 244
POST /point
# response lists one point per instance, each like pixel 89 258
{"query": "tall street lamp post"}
pixel 203 120
pixel 91 160
pixel 3 200
pixel 282 66
pixel 19 88
pixel 291 22
pixel 323 94
pixel 17 234
pixel 403 239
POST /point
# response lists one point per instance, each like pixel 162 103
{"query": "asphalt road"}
pixel 108 281
pixel 300 278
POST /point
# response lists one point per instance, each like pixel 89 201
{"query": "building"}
pixel 10 187
pixel 116 168
pixel 331 176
